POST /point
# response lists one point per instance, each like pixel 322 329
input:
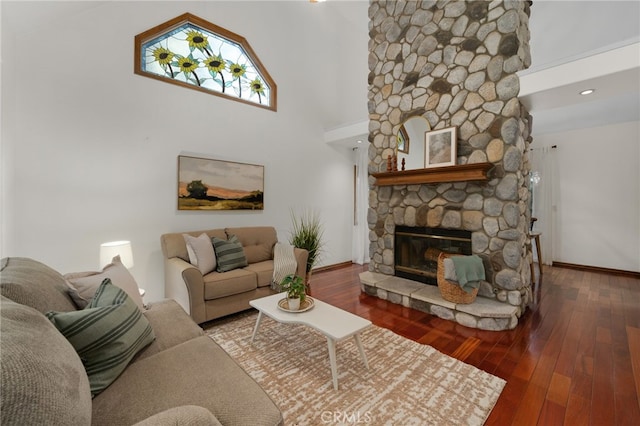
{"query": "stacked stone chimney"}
pixel 454 63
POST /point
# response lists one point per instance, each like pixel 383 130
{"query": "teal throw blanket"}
pixel 469 270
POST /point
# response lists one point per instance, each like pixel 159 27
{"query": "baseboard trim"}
pixel 332 267
pixel 598 269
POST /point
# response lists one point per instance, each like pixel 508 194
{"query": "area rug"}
pixel 407 383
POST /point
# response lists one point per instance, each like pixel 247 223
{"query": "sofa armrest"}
pixel 301 258
pixel 184 283
pixel 192 415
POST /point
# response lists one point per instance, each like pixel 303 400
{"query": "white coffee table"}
pixel 334 323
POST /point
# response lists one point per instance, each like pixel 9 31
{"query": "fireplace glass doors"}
pixel 416 250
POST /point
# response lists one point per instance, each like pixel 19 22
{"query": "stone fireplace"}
pixel 454 64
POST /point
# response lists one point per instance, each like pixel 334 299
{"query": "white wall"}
pixel 89 150
pixel 598 195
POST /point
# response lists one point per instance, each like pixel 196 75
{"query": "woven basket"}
pixel 451 291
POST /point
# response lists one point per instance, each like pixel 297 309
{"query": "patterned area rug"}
pixel 407 383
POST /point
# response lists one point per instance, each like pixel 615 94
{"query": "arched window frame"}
pixel 192 80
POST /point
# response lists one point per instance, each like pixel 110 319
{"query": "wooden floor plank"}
pixel 552 414
pixel 530 408
pixel 511 397
pixel 577 412
pixel 466 348
pixel 573 359
pixel 633 336
pixel 558 391
pixel 569 349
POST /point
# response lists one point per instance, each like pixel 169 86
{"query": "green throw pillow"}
pixel 107 334
pixel 229 254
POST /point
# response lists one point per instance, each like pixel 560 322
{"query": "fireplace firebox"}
pixel 416 250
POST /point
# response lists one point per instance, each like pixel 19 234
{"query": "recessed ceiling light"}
pixel 587 92
pixel 359 141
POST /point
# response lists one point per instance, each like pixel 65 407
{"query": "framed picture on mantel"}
pixel 440 147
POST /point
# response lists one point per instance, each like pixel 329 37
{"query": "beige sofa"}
pixel 217 294
pixel 182 377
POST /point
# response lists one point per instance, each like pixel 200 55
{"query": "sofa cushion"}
pixel 43 381
pixel 217 285
pixel 171 326
pixel 107 334
pixel 263 271
pixel 191 415
pixel 197 372
pixel 86 283
pixel 229 254
pixel 201 253
pixel 257 241
pixel 29 282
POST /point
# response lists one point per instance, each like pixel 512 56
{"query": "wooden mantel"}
pixel 459 173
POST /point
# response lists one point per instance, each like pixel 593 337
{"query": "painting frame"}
pixel 217 185
pixel 440 147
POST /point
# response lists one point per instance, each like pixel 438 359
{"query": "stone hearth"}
pixel 483 313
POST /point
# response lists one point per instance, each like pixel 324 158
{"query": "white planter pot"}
pixel 294 304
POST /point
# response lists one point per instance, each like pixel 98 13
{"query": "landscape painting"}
pixel 206 184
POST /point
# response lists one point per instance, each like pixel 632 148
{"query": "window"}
pixel 191 52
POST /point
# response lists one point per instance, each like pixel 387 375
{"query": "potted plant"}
pixel 307 234
pixel 296 290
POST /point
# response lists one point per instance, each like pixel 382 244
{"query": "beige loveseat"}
pixel 217 294
pixel 181 378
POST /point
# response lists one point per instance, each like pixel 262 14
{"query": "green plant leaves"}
pixel 307 233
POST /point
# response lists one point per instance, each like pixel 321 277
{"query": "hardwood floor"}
pixel 573 359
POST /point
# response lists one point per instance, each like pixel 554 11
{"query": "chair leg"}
pixel 533 271
pixel 538 250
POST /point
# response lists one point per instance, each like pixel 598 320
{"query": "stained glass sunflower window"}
pixel 191 52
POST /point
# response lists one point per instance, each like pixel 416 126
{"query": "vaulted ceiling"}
pixel 571 48
pixel 575 45
pixel 578 45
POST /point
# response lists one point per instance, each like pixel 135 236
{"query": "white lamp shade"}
pixel 114 248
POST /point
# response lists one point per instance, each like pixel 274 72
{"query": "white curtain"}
pixel 360 245
pixel 544 193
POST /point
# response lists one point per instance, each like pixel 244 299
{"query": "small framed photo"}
pixel 440 148
pixel 403 140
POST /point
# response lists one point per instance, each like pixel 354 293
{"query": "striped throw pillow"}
pixel 229 253
pixel 107 334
